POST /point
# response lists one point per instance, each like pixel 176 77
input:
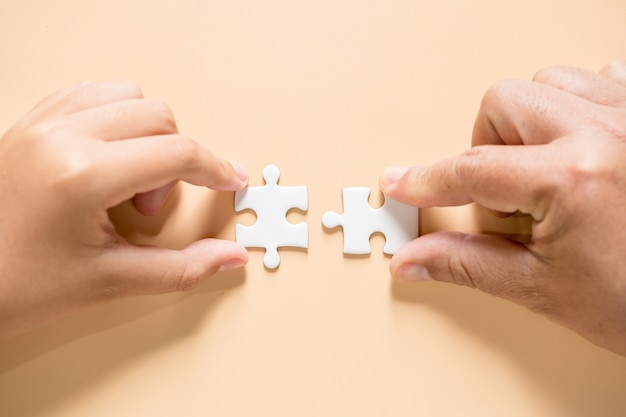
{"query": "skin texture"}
pixel 553 149
pixel 79 152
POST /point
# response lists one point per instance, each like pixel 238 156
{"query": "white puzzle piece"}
pixel 398 222
pixel 271 203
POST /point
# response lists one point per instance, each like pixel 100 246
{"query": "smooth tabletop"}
pixel 331 92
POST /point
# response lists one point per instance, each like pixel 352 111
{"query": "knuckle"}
pixel 186 150
pixel 500 91
pixel 162 114
pixel 189 278
pixel 615 69
pixel 459 270
pixel 46 142
pixel 588 166
pixel 459 273
pixel 112 291
pixel 43 131
pixel 129 88
pixel 112 286
pixel 549 75
pixel 514 93
pixel 75 170
pixel 468 162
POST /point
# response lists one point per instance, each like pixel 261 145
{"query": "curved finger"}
pixel 137 270
pixel 616 71
pixel 88 95
pixel 515 112
pixel 124 119
pixel 146 164
pixel 151 202
pixel 507 179
pixel 495 265
pixel 589 85
pixel 45 106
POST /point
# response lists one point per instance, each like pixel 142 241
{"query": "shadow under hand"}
pixel 100 318
pixel 81 349
pixel 129 222
pixel 555 358
pixel 215 215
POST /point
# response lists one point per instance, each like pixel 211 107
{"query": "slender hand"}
pixel 78 153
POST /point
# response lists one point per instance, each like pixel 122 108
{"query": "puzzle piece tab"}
pixel 271 203
pixel 398 222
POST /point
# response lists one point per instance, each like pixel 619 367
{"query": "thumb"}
pixel 495 265
pixel 138 270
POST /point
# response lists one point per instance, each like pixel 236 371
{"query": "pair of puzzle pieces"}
pixel 396 221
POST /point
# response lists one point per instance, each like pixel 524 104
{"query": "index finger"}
pixel 500 178
pixel 146 164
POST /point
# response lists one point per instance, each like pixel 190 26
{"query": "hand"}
pixel 80 152
pixel 565 166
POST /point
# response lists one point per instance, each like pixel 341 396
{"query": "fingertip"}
pixel 241 172
pixel 210 256
pixel 392 175
pixel 411 272
pixel 227 175
pixel 238 251
pixel 424 259
pixel 393 183
pixel 405 264
pixel 232 264
pixel 404 185
pixel 237 257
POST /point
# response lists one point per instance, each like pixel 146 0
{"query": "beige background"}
pixel 332 92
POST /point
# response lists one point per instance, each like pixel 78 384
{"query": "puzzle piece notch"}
pixel 398 222
pixel 271 203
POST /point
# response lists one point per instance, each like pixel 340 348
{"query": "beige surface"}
pixel 332 92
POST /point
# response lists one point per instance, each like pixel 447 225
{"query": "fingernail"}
pixel 392 175
pixel 412 272
pixel 231 264
pixel 241 172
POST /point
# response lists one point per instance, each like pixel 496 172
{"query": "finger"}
pixel 589 85
pixel 501 178
pixel 146 164
pixel 616 71
pixel 124 120
pixel 84 96
pixel 495 265
pixel 150 203
pixel 135 270
pixel 516 112
pixel 45 106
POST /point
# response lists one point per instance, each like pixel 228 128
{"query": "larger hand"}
pixel 564 164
